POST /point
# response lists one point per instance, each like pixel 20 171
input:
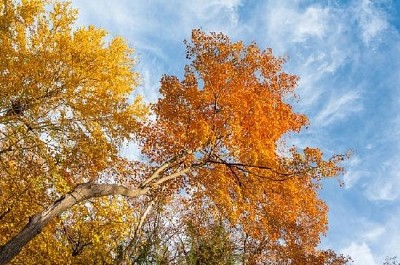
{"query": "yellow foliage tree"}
pixel 65 112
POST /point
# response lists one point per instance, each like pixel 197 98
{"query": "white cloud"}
pixel 332 60
pixel 108 14
pixel 380 239
pixel 339 107
pixel 389 241
pixel 382 191
pixel 371 20
pixel 291 24
pixel 360 253
pixel 369 146
pixel 210 15
pixel 214 10
pixel 312 23
pixel 385 192
pixel 374 233
pixel 228 3
pixel 318 65
pixel 350 178
pixel 316 41
pixel 150 84
pixel 385 184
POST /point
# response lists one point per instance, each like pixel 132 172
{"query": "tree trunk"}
pixel 39 221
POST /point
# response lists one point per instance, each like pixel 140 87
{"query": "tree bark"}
pixel 40 220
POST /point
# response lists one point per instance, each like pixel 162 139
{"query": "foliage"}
pixel 64 114
pixel 150 244
pixel 227 130
pixel 215 143
pixel 207 240
pixel 213 247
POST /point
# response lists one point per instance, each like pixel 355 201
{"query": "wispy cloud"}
pixel 374 233
pixel 385 191
pixel 372 21
pixel 385 185
pixel 296 25
pixel 339 107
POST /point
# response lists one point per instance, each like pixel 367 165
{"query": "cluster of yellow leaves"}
pixel 64 113
pixel 90 233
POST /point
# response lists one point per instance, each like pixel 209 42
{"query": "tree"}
pixel 65 112
pixel 210 246
pixel 226 117
pixel 391 261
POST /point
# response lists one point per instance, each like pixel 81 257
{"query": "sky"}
pixel 347 54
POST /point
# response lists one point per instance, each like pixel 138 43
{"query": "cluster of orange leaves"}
pixel 230 110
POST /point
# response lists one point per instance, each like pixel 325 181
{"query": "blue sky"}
pixel 347 56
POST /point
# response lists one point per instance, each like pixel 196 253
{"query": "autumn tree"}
pixel 66 110
pixel 225 119
pixel 391 261
pixel 210 245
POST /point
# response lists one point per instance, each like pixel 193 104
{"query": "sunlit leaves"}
pixel 65 111
pixel 231 110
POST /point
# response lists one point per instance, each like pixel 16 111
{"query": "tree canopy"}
pixel 212 143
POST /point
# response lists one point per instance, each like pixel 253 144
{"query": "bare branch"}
pixel 172 176
pixel 128 250
pixel 172 162
pixel 155 175
pixel 246 169
pixel 242 165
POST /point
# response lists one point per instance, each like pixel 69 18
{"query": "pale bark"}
pixel 136 233
pixel 37 222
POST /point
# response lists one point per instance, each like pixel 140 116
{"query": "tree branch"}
pixel 246 169
pixel 172 176
pixel 155 175
pixel 8 149
pixel 80 193
pixel 37 222
pixel 242 165
pixel 137 232
pixel 172 162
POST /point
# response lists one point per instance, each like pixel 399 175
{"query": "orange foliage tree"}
pixel 225 120
pixel 67 193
